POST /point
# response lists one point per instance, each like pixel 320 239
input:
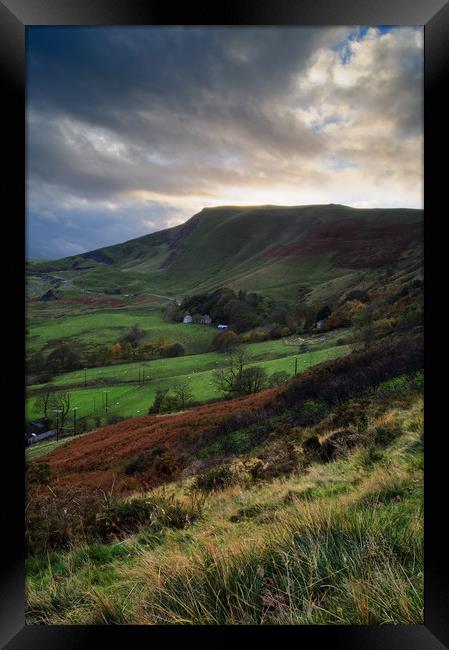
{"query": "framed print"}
pixel 230 420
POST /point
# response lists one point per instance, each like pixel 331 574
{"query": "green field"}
pixel 161 368
pixel 133 400
pixel 106 327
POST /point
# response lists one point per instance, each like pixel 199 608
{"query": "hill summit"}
pixel 275 250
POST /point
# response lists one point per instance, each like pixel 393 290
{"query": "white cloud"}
pixel 141 142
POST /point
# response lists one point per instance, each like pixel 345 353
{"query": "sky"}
pixel 131 130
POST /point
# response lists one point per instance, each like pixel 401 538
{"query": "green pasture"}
pixel 106 327
pixel 132 400
pixel 169 367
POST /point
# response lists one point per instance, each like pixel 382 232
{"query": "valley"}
pixel 233 396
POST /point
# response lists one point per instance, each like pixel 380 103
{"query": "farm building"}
pixel 37 430
pixel 187 318
pixel 36 427
pixel 205 319
pixel 33 437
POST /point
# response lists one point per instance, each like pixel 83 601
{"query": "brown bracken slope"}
pixel 100 458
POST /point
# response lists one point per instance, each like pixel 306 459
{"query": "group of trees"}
pixel 126 352
pixel 62 359
pixel 166 401
pixel 241 310
pixel 236 378
pixel 254 317
pixel 54 406
pixel 73 355
pixel 224 340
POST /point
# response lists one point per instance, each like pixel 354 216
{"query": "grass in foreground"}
pixel 338 544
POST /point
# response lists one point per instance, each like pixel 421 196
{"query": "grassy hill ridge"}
pixel 270 249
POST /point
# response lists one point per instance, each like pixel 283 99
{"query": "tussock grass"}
pixel 316 565
pixel 338 543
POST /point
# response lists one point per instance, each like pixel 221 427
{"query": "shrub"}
pixel 310 412
pixel 339 444
pixel 158 462
pixel 38 472
pixel 312 446
pixel 155 512
pixel 351 415
pixel 175 350
pixel 348 376
pixel 255 468
pixel 383 436
pixel 278 378
pixel 280 457
pixel 251 380
pixel 224 341
pixel 215 478
pixel 76 516
pixel 159 399
pixel 57 519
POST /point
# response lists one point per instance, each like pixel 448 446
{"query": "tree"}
pixel 116 349
pixel 104 355
pixel 175 350
pixel 323 313
pixel 63 358
pixel 241 316
pixel 235 379
pixel 183 393
pixel 224 341
pixel 159 399
pixel 251 380
pixel 128 351
pixel 227 378
pixel 61 402
pixel 43 402
pixel 134 336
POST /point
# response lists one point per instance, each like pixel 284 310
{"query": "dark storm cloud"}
pixel 133 129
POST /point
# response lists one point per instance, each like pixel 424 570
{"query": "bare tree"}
pixel 228 377
pixel 43 402
pixel 61 403
pixel 252 380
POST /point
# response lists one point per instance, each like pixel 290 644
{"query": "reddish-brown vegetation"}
pixel 96 460
pixel 354 243
pixel 96 301
pixel 145 298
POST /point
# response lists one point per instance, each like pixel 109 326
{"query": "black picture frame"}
pixel 15 16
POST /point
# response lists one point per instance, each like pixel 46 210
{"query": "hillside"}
pixel 297 505
pixel 278 251
pixel 105 454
